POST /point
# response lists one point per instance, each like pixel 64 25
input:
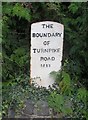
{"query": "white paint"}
pixel 54 59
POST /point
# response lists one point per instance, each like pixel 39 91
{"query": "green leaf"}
pixel 21 12
pixel 66 79
pixel 82 94
pixel 7 9
pixel 65 84
pixel 53 74
pixel 73 8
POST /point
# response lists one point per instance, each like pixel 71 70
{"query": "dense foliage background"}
pixel 17 19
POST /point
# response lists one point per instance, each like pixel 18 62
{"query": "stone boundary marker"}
pixel 46 51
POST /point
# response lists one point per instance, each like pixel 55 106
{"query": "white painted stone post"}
pixel 46 51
